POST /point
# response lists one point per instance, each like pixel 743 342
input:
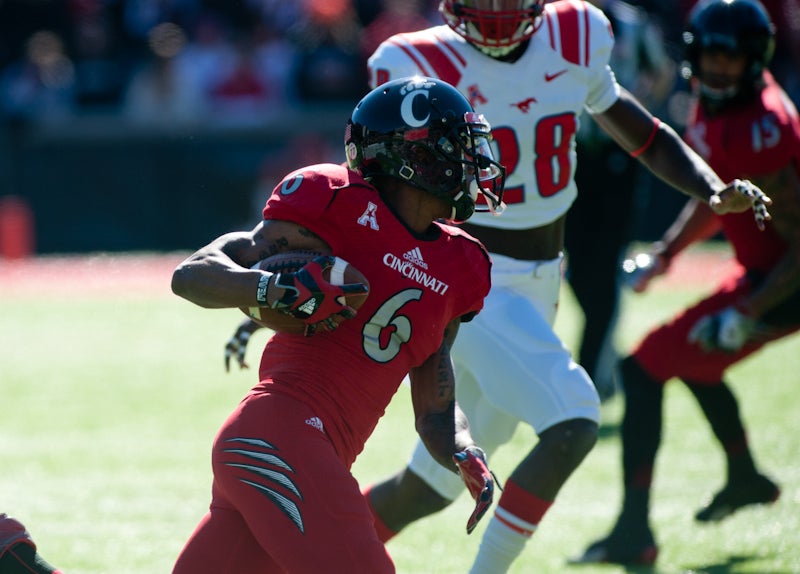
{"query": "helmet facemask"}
pixel 467 147
pixel 496 27
pixel 453 161
pixel 717 90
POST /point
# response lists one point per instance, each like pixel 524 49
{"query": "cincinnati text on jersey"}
pixel 411 271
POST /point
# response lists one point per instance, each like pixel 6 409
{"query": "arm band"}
pixel 261 292
pixel 649 142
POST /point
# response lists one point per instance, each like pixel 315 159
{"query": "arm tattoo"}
pixel 305 232
pixel 446 379
pixel 275 246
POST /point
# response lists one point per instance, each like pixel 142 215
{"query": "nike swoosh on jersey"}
pixel 550 77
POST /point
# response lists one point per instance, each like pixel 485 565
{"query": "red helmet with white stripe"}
pixel 495 27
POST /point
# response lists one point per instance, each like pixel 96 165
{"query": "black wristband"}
pixel 263 288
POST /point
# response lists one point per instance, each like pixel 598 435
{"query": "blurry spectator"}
pixel 241 93
pixel 397 16
pixel 21 19
pixel 329 64
pixel 275 57
pixel 308 50
pixel 140 17
pixel 207 57
pixel 155 93
pixel 41 84
pixel 96 44
pixel 277 15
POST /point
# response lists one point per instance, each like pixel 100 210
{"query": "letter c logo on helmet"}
pixel 410 92
pixel 407 109
pixel 424 132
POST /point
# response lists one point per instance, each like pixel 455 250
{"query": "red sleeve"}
pixel 480 266
pixel 305 196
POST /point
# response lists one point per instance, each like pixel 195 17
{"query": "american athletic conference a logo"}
pixel 415 88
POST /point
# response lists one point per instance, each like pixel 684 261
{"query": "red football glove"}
pixel 472 467
pixel 310 297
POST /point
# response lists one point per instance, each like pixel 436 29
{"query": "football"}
pixel 288 262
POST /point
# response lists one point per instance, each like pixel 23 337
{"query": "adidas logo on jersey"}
pixel 415 257
pixel 316 423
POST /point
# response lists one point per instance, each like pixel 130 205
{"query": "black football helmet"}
pixel 735 26
pixel 423 132
pixel 496 27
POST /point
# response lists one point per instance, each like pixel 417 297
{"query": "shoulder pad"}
pixel 579 31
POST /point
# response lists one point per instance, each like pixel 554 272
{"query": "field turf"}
pixel 111 390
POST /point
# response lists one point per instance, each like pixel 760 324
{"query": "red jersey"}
pixel 418 284
pixel 747 141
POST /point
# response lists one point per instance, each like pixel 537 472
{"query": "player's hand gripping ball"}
pixel 321 290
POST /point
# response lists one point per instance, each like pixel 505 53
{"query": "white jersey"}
pixel 533 104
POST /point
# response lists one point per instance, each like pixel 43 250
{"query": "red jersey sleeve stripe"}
pixel 569 31
pixel 550 30
pixel 443 66
pixel 586 38
pixel 453 52
pixel 420 65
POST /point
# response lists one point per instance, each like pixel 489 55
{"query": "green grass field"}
pixel 111 397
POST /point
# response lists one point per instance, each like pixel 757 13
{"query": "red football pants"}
pixel 666 352
pixel 282 500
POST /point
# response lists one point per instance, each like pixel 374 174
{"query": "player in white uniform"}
pixel 535 68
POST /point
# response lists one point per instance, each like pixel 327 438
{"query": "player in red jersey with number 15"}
pixel 744 124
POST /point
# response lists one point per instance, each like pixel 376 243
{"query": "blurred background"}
pixel 153 125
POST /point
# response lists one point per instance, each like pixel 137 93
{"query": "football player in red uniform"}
pixel 18 553
pixel 744 125
pixel 283 497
